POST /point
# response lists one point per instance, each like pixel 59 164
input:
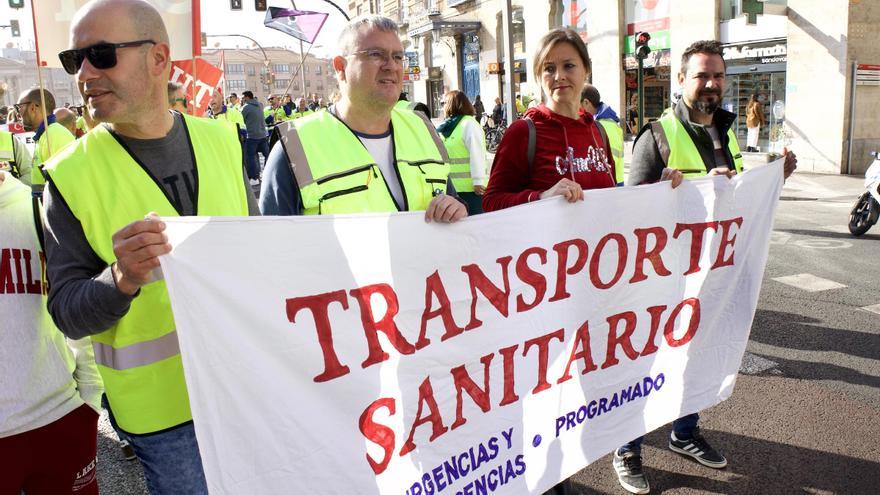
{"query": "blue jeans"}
pixel 683 428
pixel 251 148
pixel 171 460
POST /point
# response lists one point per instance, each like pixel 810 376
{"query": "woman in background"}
pixel 466 144
pixel 754 121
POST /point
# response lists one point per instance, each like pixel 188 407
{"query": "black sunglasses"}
pixel 100 55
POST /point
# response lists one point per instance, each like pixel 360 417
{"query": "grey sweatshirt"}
pixel 253 119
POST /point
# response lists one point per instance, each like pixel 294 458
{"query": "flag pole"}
pixel 302 61
pixel 42 86
pixel 196 50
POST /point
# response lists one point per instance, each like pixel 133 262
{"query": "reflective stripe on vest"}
pixel 615 140
pixel 336 174
pixel 55 138
pixel 679 151
pixel 138 357
pixel 460 158
pixel 140 354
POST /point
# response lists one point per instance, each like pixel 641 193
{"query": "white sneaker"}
pixel 254 182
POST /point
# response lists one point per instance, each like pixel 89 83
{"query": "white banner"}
pixel 52 20
pixel 380 354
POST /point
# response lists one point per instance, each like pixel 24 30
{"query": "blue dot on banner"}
pixel 536 441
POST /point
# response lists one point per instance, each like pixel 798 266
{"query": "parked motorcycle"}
pixel 866 211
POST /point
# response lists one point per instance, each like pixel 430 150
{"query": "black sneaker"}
pixel 629 472
pixel 127 450
pixel 699 449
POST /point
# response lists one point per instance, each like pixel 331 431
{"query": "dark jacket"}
pixel 253 119
pixel 647 164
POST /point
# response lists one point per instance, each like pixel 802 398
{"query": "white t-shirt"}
pixel 475 141
pixel 44 377
pixel 381 148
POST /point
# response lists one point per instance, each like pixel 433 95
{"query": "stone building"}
pixel 247 69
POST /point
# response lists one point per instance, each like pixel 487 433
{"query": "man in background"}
pixel 50 136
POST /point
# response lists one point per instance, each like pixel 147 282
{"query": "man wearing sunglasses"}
pixel 50 136
pixel 104 237
pixel 363 154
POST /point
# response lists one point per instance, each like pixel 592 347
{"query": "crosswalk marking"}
pixel 809 282
pixel 874 309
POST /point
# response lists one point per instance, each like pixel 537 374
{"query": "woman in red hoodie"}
pixel 570 154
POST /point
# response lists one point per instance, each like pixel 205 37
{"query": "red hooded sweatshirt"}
pixel 565 148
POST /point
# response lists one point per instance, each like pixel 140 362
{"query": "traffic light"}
pixel 14 27
pixel 235 4
pixel 260 5
pixel 642 48
pixel 16 4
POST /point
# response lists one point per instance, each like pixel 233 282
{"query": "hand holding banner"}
pixel 378 354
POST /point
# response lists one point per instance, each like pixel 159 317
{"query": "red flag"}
pixel 198 91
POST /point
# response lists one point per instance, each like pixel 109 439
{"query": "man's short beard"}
pixel 707 107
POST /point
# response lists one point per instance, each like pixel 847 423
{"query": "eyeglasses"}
pixel 21 106
pixel 379 56
pixel 100 55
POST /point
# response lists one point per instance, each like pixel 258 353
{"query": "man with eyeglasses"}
pixel 50 136
pixel 104 234
pixel 363 154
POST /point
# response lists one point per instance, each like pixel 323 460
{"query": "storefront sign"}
pixel 412 59
pixel 868 75
pixel 494 68
pixel 756 53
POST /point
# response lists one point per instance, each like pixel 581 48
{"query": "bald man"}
pixel 66 118
pixel 50 136
pixel 104 237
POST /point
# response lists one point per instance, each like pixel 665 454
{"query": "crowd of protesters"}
pixel 92 195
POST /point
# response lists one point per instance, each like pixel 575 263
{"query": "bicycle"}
pixel 494 133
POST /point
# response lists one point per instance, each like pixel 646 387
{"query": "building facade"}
pixel 799 57
pixel 248 69
pixel 18 72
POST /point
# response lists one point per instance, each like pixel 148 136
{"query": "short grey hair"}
pixel 346 38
